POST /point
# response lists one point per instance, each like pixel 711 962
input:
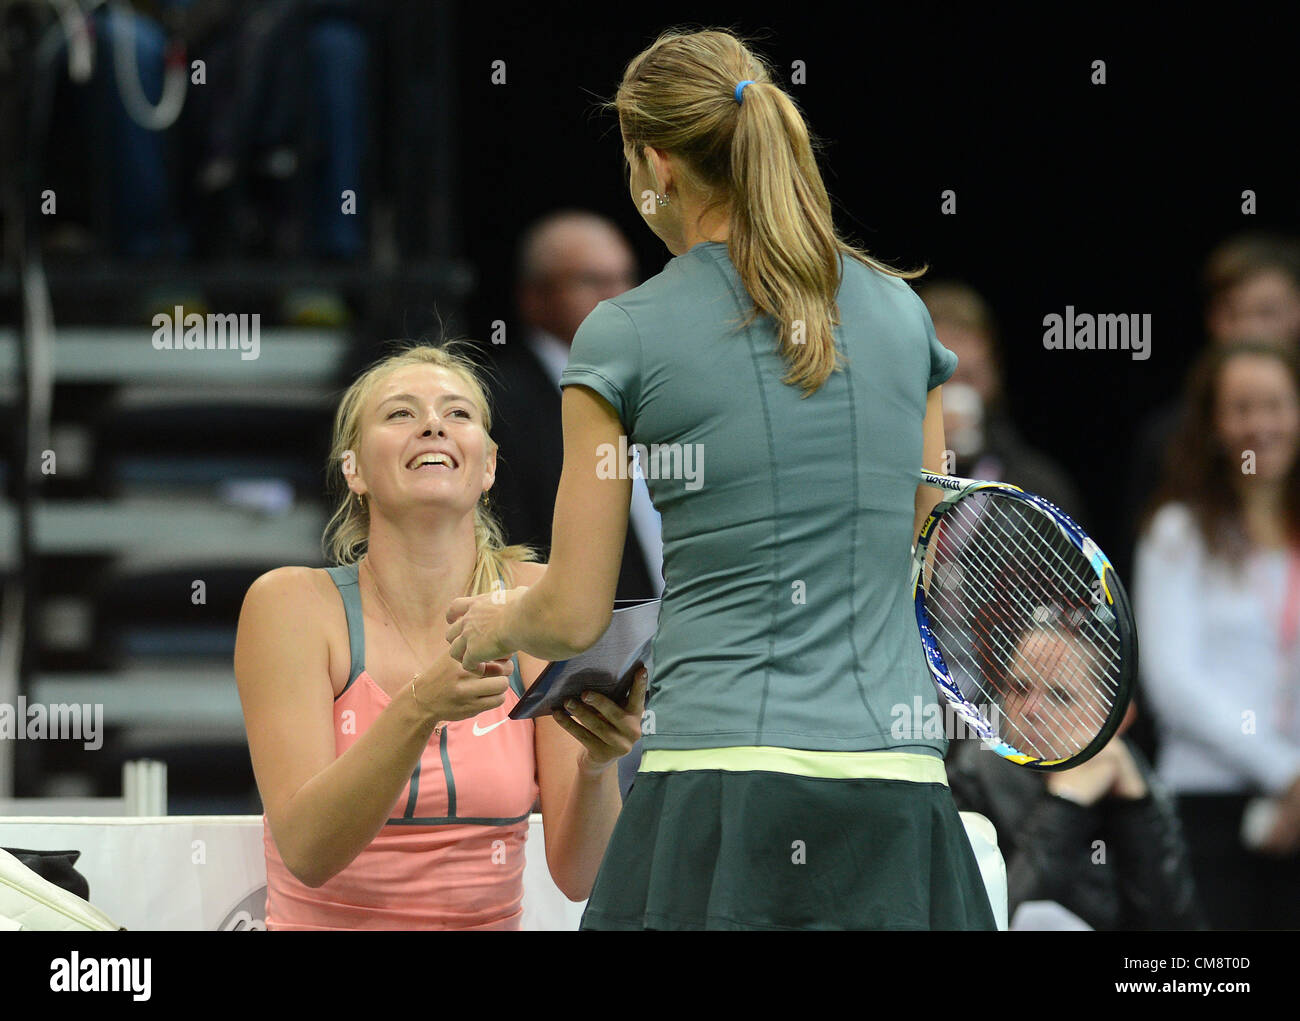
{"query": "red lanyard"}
pixel 1290 619
pixel 1288 625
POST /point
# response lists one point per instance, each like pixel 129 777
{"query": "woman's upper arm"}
pixel 282 670
pixel 556 754
pixel 557 762
pixel 932 457
pixel 591 512
pixel 1167 575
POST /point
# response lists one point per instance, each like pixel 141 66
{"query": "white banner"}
pixel 209 872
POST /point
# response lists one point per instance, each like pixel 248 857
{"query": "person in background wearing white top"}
pixel 1217 600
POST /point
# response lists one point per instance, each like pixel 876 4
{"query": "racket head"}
pixel 1084 620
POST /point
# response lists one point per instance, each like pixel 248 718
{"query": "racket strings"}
pixel 1066 551
pixel 993 666
pixel 1070 586
pixel 1003 698
pixel 997 667
pixel 956 605
pixel 954 610
pixel 1100 667
pixel 994 654
pixel 1091 654
pixel 990 597
pixel 1002 570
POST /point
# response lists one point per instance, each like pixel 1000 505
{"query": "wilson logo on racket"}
pixel 1018 609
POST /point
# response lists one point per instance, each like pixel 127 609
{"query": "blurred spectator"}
pixel 1217 599
pixel 265 146
pixel 1100 840
pixel 1252 292
pixel 1252 285
pixel 283 139
pixel 284 126
pixel 567 263
pixel 140 191
pixel 977 424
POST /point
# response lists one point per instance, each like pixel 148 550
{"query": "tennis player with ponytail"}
pixel 804 378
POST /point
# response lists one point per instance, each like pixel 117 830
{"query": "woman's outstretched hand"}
pixel 476 628
pixel 606 730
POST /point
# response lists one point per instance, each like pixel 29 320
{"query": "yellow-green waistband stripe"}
pixel 876 765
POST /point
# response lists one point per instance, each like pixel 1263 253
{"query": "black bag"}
pixel 55 867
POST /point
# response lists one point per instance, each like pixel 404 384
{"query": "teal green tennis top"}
pixel 787 618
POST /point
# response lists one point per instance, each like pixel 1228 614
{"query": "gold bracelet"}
pixel 438 726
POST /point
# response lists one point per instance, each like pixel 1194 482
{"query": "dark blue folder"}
pixel 609 666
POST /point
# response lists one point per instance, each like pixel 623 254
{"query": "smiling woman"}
pixel 1217 598
pixel 397 410
pixel 396 788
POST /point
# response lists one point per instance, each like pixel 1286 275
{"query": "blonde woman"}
pixel 396 790
pixel 785 387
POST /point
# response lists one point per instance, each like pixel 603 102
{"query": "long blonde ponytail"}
pixel 757 157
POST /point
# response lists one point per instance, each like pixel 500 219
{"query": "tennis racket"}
pixel 1026 627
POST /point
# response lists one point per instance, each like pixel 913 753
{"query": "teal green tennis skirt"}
pixel 719 849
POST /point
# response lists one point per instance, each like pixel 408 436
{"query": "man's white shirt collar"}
pixel 551 351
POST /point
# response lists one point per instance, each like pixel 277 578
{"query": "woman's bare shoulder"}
pixel 300 587
pixel 306 600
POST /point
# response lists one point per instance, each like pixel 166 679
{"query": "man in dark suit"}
pixel 567 262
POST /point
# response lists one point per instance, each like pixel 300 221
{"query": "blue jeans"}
pixel 142 216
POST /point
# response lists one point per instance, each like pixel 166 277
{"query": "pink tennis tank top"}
pixel 451 855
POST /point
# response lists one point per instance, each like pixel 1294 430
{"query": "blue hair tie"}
pixel 740 89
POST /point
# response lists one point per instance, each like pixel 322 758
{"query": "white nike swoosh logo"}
pixel 480 731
